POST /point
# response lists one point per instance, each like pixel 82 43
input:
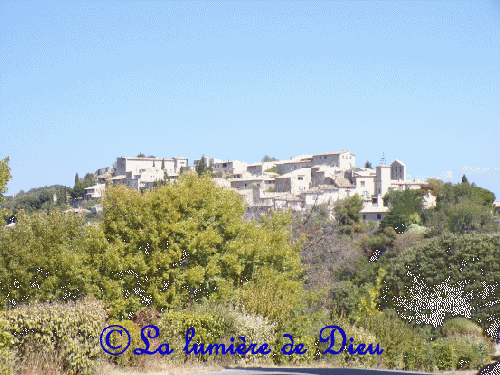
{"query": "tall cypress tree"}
pixel 202 166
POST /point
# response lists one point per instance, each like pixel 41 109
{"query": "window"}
pixel 379 216
pixel 362 183
pixel 301 178
pixel 325 157
pixel 366 194
pixel 364 217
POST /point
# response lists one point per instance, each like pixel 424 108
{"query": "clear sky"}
pixel 85 82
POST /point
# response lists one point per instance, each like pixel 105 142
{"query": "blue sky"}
pixel 85 82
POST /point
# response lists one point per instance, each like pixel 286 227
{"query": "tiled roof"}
pixel 343 182
pixel 398 161
pixel 333 153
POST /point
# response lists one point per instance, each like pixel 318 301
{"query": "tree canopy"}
pixel 267 158
pixel 445 277
pixel 405 209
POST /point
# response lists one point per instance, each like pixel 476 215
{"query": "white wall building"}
pixel 95 191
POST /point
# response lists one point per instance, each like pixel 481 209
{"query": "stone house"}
pixel 96 191
pixel 230 166
pixel 294 182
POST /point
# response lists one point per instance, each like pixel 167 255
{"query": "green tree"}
pixel 446 276
pixel 464 180
pixel 162 164
pixel 368 164
pixel 202 168
pixel 152 156
pixel 141 155
pixel 40 259
pixel 178 244
pixel 405 209
pixel 347 211
pixel 77 179
pixel 462 208
pixel 5 176
pixel 267 158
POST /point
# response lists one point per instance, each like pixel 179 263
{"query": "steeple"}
pixel 382 161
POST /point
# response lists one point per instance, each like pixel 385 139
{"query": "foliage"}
pixel 208 328
pixel 5 176
pixel 461 208
pixel 185 242
pixel 461 326
pixel 202 167
pixel 70 329
pixel 462 352
pixel 141 155
pixel 445 355
pixel 368 164
pixel 405 347
pixel 127 358
pixel 267 158
pixel 405 209
pixel 446 276
pixel 39 259
pixel 347 211
pixel 35 199
pixel 272 169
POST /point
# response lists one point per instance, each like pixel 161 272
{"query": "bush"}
pixel 345 359
pixel 127 358
pixel 6 352
pixel 405 347
pixel 445 355
pixel 461 326
pixel 173 326
pixel 69 331
pixel 256 329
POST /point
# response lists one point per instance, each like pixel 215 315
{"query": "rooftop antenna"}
pixel 382 161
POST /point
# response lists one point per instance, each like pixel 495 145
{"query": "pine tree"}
pixel 77 179
pixel 464 180
pixel 368 164
pixel 162 164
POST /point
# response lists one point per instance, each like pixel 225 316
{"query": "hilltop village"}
pixel 302 181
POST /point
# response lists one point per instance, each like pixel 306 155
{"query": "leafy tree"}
pixel 152 156
pixel 446 276
pixel 5 176
pixel 405 209
pixel 462 208
pixel 347 211
pixel 40 259
pixel 178 244
pixel 267 158
pixel 141 155
pixel 368 164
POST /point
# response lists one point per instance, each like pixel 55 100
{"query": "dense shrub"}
pixel 445 355
pixel 461 326
pixel 473 352
pixel 405 347
pixel 70 331
pixel 6 352
pixel 127 358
